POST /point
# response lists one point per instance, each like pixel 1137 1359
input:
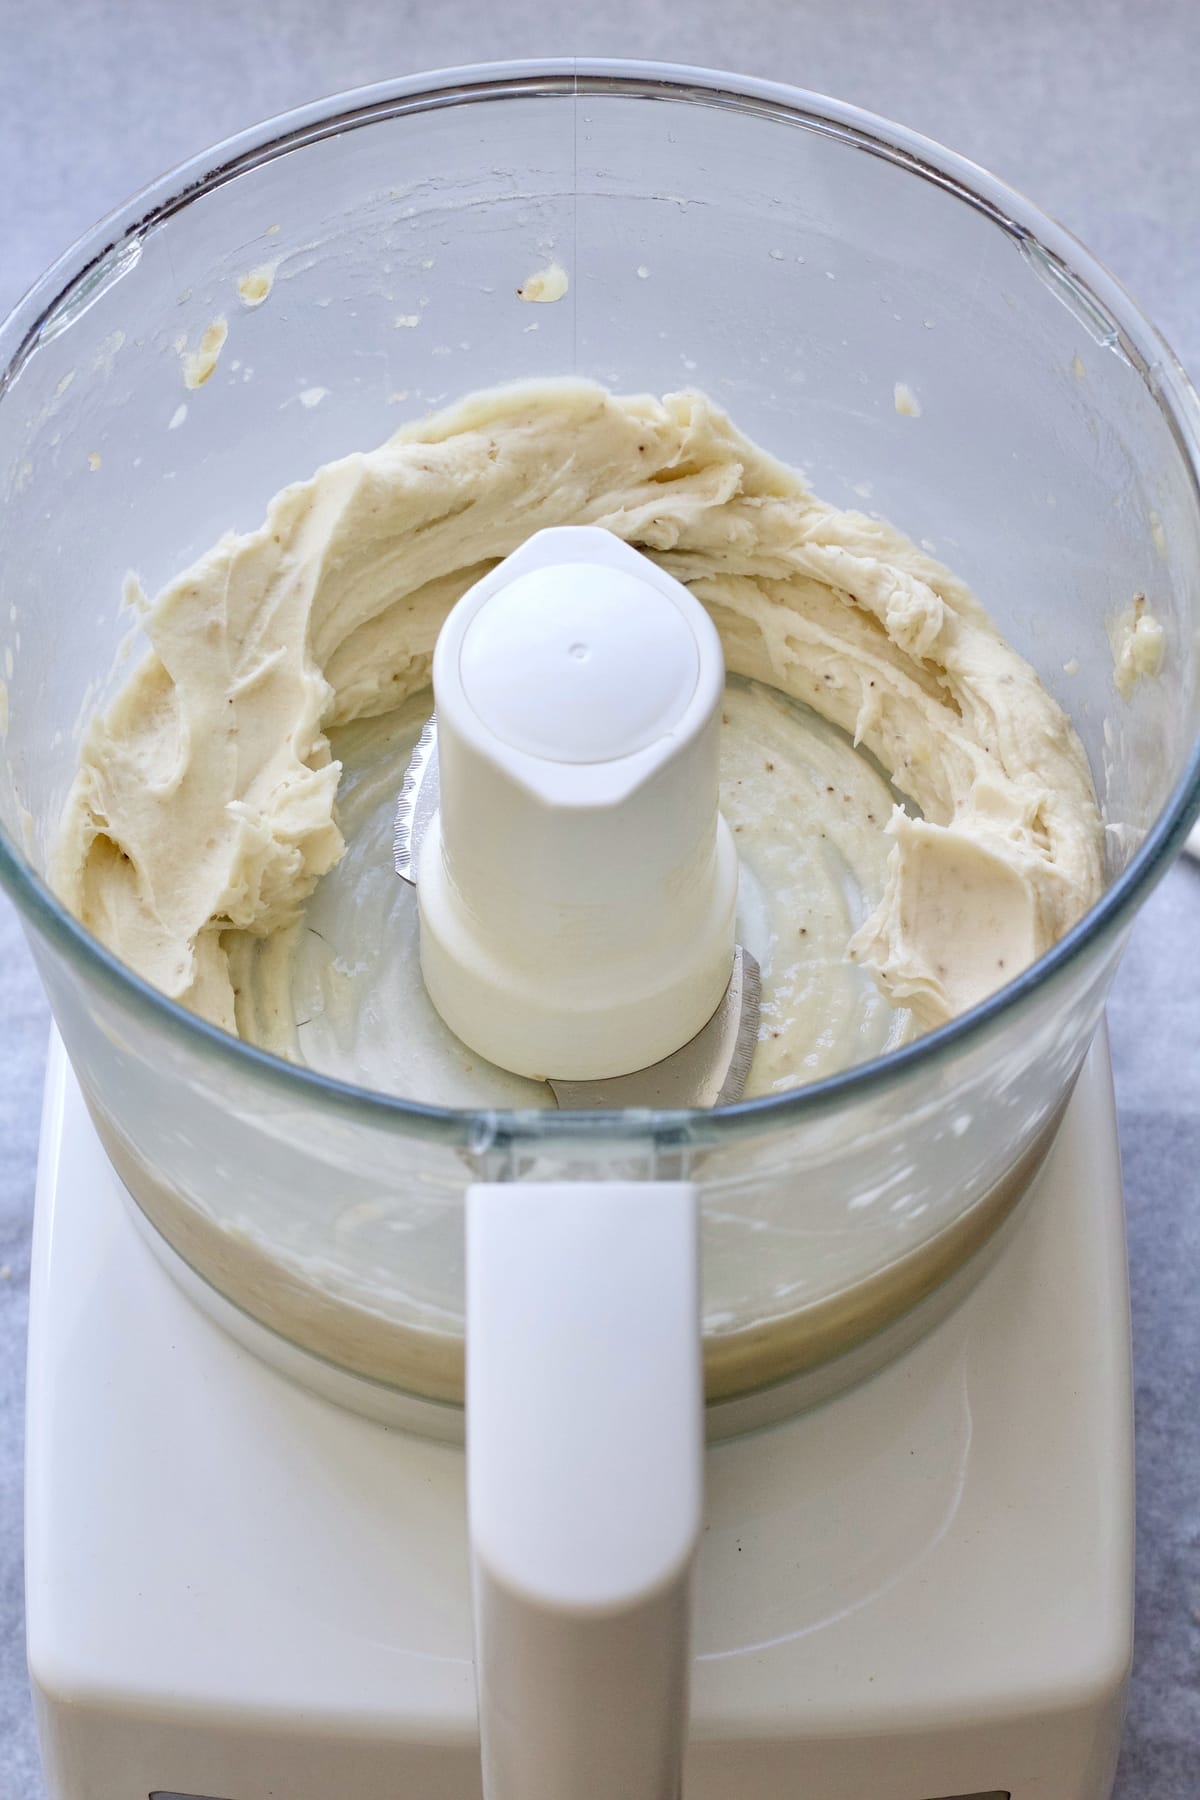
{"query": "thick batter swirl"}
pixel 204 811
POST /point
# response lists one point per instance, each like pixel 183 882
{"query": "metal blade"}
pixel 709 1070
pixel 417 803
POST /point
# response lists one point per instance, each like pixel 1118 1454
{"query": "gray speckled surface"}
pixel 1088 105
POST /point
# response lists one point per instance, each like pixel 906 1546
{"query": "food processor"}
pixel 893 1300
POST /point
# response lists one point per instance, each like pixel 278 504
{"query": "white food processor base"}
pixel 920 1590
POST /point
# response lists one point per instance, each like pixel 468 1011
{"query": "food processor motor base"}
pixel 919 1590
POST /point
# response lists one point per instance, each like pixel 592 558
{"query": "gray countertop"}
pixel 1090 106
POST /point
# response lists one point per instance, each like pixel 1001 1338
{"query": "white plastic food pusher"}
pixel 577 895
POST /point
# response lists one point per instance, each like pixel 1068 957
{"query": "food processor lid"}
pixel 114 244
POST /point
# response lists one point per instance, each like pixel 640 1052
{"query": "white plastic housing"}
pixel 578 887
pixel 237 1588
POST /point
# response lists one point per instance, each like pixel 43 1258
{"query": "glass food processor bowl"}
pixel 825 276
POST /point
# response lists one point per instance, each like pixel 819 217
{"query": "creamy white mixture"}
pixel 207 810
pixel 805 810
pixel 1138 646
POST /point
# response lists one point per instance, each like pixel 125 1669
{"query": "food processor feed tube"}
pixel 577 890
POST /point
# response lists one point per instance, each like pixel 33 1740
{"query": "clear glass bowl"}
pixel 798 260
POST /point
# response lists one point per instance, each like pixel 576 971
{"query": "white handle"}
pixel 584 1480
